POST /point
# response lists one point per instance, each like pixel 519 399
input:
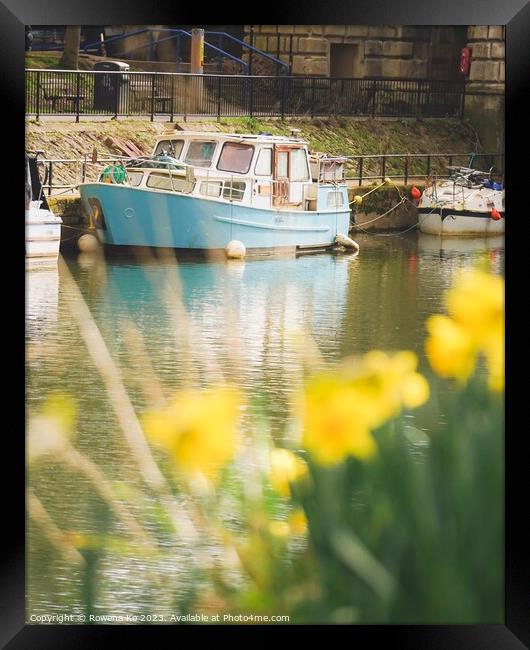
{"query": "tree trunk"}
pixel 72 40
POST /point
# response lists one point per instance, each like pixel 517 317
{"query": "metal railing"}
pixel 176 35
pixel 113 93
pixel 416 166
pixel 358 170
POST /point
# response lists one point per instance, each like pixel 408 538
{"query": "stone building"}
pixel 394 51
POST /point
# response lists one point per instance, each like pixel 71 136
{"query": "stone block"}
pixel 481 50
pixel 498 50
pixel 335 30
pixel 260 42
pixel 310 65
pixel 286 29
pixel 356 30
pixel 496 32
pixel 412 31
pixel 373 48
pixel 268 29
pixel 502 74
pixel 313 45
pixel 373 67
pixel 381 31
pixel 477 32
pixel 412 68
pixel 303 30
pixel 392 68
pixel 397 48
pixel 484 71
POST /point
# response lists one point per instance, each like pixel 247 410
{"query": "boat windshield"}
pixel 200 153
pixel 169 147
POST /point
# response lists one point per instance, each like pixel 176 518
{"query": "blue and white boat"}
pixel 202 190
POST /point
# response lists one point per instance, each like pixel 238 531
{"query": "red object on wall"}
pixel 415 192
pixel 495 215
pixel 465 61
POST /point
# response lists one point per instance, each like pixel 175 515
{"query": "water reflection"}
pixel 242 315
pixel 42 300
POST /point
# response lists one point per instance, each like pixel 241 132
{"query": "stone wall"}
pixel 388 51
pixel 484 101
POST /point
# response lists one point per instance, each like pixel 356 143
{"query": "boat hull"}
pixel 454 223
pixel 128 216
pixel 43 238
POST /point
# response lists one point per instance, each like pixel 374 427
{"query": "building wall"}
pixel 388 51
pixel 484 101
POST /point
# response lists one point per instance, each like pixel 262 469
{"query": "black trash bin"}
pixel 111 91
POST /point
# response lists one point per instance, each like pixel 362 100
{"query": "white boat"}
pixel 43 228
pixel 204 191
pixel 469 202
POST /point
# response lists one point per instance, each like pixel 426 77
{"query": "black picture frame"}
pixel 515 14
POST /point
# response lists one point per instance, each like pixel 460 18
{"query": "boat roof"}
pixel 219 135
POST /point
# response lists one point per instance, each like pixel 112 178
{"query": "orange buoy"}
pixel 415 192
pixel 494 214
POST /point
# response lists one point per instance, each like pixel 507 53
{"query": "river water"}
pixel 239 321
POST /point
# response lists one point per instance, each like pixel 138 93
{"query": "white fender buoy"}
pixel 235 250
pixel 344 240
pixel 87 243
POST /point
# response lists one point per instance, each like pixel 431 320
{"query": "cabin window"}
pixel 167 182
pixel 210 188
pixel 135 178
pixel 282 164
pixel 335 200
pixel 264 163
pixel 234 190
pixel 170 147
pixel 200 153
pixel 235 157
pixel 299 168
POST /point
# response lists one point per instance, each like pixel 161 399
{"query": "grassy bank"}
pixel 68 140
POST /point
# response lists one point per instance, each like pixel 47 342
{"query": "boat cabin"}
pixel 263 171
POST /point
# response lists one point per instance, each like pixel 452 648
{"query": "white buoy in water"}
pixel 344 240
pixel 235 250
pixel 87 243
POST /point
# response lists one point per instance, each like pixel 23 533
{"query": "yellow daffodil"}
pixel 279 529
pixel 414 390
pixel 286 468
pixel 198 429
pixel 450 349
pixel 476 302
pixel 298 522
pixel 475 327
pixel 51 430
pixel 341 408
pixel 334 423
